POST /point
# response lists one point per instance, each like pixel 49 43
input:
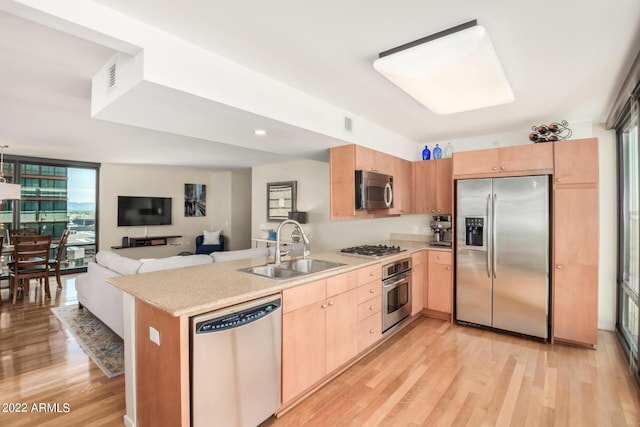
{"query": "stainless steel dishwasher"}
pixel 235 364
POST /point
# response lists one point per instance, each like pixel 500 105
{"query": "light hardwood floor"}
pixel 41 363
pixel 430 374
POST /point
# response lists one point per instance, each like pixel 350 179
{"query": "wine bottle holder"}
pixel 552 132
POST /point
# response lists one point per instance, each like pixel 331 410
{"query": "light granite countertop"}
pixel 190 291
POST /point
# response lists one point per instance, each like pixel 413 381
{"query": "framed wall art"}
pixel 195 200
pixel 281 199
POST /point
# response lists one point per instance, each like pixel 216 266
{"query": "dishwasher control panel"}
pixel 237 319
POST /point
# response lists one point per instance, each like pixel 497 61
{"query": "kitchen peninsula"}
pixel 157 376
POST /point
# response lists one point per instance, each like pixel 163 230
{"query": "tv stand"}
pixel 141 242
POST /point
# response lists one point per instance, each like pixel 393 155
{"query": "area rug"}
pixel 103 345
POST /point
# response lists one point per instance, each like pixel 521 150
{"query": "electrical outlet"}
pixel 154 335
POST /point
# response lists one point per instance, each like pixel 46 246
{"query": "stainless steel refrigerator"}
pixel 502 253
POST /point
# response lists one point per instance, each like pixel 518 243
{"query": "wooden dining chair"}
pixel 54 263
pixel 21 232
pixel 2 248
pixel 30 261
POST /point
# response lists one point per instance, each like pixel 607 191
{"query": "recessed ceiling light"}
pixel 260 132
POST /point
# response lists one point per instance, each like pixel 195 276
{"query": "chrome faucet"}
pixel 305 240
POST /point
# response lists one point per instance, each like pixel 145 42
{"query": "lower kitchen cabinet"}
pixel 369 312
pixel 439 300
pixel 418 282
pixel 319 331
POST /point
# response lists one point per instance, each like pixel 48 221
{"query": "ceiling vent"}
pixel 348 124
pixel 112 76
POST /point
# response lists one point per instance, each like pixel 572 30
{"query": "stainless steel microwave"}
pixel 373 190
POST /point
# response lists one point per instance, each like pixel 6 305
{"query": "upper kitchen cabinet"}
pixel 342 166
pixel 345 160
pixel 374 161
pixel 513 161
pixel 403 198
pixel 576 161
pixel 433 186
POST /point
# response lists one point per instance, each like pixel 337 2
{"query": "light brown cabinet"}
pixel 512 161
pixel 403 197
pixel 433 183
pixel 439 300
pixel 576 240
pixel 576 161
pixel 372 160
pixel 319 329
pixel 418 281
pixel 325 324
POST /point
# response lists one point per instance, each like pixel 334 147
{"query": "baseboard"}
pixel 128 422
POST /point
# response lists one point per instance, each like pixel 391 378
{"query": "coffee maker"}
pixel 441 226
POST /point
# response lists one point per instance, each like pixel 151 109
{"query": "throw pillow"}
pixel 211 237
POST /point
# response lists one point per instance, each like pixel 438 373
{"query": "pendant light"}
pixel 7 191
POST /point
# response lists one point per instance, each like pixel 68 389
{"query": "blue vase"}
pixel 426 154
pixel 437 152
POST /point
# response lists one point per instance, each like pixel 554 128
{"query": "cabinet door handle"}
pixel 559 267
pixel 324 306
pixel 494 168
pixel 433 211
pixel 372 274
pixel 448 268
pixel 371 308
pixel 330 303
pixel 371 331
pixel 557 179
pixel 371 291
pixel 501 168
pixel 439 257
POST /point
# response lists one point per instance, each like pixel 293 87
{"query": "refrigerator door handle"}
pixel 489 212
pixel 493 239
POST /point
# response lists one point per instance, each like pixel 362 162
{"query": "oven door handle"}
pixel 396 282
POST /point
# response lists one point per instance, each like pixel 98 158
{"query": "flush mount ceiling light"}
pixel 260 132
pixel 449 72
pixel 7 191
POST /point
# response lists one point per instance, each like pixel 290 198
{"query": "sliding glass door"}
pixel 55 195
pixel 629 236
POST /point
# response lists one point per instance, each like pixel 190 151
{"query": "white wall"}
pixel 607 277
pixel 163 181
pixel 240 223
pixel 313 197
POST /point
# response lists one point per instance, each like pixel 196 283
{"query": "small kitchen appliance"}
pixel 441 226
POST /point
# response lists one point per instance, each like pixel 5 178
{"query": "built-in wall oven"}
pixel 396 292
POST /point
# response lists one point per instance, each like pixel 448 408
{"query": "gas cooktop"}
pixel 372 251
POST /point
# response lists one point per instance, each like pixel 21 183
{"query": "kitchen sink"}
pixel 294 268
pixel 308 265
pixel 272 272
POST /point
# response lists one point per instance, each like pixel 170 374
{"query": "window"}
pixel 628 316
pixel 56 195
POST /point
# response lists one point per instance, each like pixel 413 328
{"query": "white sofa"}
pixel 105 300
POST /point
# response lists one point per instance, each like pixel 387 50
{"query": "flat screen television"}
pixel 133 210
